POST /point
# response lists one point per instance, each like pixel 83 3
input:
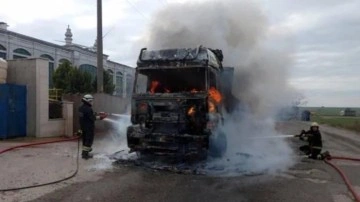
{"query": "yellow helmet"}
pixel 314 124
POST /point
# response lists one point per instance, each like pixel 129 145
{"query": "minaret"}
pixel 68 36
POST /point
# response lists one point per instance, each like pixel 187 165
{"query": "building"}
pixel 15 45
pixel 348 112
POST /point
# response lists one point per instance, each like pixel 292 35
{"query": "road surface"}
pixel 308 180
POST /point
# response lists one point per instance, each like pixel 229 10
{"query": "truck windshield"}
pixel 170 80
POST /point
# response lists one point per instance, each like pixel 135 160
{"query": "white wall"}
pixel 74 54
pixel 35 48
pixel 34 74
pixel 23 72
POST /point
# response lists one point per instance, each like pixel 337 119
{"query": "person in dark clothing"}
pixel 87 119
pixel 313 149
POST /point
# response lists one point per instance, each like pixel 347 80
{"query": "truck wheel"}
pixel 218 145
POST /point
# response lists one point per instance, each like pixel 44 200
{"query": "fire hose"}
pixel 327 160
pixel 42 143
pixel 342 174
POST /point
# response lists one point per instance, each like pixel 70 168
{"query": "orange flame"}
pixel 154 85
pixel 211 107
pixel 215 95
pixel 191 111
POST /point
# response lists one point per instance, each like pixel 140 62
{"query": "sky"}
pixel 322 36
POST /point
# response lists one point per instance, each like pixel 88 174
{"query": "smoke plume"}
pixel 241 30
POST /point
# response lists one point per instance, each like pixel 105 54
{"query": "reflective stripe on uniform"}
pixel 316 147
pixel 87 149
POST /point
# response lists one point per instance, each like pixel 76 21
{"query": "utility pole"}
pixel 99 46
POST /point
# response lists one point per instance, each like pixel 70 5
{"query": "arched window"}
pixel 51 68
pixel 2 52
pixel 46 56
pixel 118 83
pixel 21 53
pixel 90 69
pixel 64 60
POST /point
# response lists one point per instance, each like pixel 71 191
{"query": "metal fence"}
pixel 55 105
pixel 55 94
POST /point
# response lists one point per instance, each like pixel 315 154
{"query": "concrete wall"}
pixel 3 71
pixel 68 109
pixel 42 99
pixel 33 73
pixel 102 103
pixel 23 72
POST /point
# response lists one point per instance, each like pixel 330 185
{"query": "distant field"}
pixel 328 111
pixel 331 116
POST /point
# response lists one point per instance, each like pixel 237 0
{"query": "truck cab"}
pixel 177 101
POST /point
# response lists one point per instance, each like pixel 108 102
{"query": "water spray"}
pixel 120 115
pixel 115 141
pixel 113 121
pixel 273 136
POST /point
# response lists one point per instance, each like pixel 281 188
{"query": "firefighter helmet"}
pixel 314 124
pixel 88 98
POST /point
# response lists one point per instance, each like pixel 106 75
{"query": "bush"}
pixel 109 87
pixel 71 80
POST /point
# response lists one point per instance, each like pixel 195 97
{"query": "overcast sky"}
pixel 324 36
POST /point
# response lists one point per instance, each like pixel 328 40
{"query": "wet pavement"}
pixel 120 177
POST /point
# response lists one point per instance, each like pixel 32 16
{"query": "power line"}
pixel 136 9
pixel 109 31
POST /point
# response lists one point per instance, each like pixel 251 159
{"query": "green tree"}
pixel 109 87
pixel 61 76
pixel 72 80
pixel 80 82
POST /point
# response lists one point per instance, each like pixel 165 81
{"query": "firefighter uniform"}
pixel 313 149
pixel 87 119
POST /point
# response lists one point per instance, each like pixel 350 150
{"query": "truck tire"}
pixel 218 145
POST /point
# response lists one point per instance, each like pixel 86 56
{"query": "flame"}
pixel 191 111
pixel 211 107
pixel 215 95
pixel 154 85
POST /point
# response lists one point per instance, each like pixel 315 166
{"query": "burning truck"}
pixel 178 102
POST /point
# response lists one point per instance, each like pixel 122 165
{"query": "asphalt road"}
pixel 308 180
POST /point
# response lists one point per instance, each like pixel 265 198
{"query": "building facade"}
pixel 14 45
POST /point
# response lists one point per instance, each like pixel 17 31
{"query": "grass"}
pixel 331 116
pixel 329 111
pixel 351 123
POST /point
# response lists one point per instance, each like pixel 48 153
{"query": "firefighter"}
pixel 87 119
pixel 313 149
